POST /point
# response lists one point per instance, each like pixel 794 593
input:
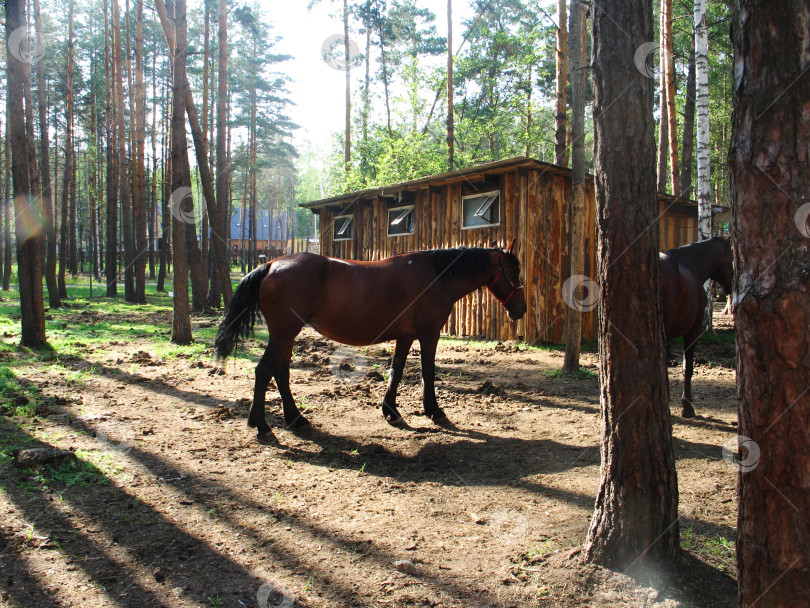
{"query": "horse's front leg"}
pixel 389 406
pixel 428 348
pixel 264 371
pixel 689 342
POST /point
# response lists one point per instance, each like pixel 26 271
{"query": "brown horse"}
pixel 404 298
pixel 683 272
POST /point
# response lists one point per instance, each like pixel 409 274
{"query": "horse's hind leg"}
pixel 389 406
pixel 264 371
pixel 428 348
pixel 293 418
pixel 689 343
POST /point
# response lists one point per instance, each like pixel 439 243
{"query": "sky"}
pixel 318 88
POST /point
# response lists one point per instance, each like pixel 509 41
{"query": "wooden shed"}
pixel 518 197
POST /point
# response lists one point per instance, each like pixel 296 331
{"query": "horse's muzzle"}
pixel 517 313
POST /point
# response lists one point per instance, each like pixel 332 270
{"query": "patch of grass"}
pixel 719 337
pixel 716 549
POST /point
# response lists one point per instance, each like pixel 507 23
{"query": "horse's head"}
pixel 507 286
pixel 723 271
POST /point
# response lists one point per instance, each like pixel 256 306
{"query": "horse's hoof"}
pixel 444 422
pixel 397 422
pixel 267 438
pixel 298 424
pixel 688 412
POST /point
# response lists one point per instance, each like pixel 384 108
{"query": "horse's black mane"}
pixel 464 262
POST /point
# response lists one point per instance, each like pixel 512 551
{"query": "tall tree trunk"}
pixel 123 182
pixel 26 206
pixel 7 244
pixel 111 264
pixel 45 171
pixel 69 178
pixel 181 180
pixel 668 73
pixel 576 46
pixel 703 139
pixel 688 126
pixel 67 237
pixel 222 215
pixel 561 121
pixel 347 145
pixel 770 179
pixel 450 125
pixel 635 520
pixel 139 163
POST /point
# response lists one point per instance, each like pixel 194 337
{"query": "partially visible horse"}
pixel 403 298
pixel 683 272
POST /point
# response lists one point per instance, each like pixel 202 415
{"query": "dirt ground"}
pixel 173 502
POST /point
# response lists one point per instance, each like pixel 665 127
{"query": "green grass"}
pixel 582 374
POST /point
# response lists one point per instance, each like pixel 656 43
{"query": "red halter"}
pixel 501 273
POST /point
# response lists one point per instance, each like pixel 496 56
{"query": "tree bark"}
pixel 770 179
pixel 347 145
pixel 181 180
pixel 668 73
pixel 576 46
pixel 703 139
pixel 111 253
pixel 123 182
pixel 688 146
pixel 635 520
pixel 69 180
pixel 139 162
pixel 560 147
pixel 7 261
pixel 450 126
pixel 45 172
pixel 27 208
pixel 222 215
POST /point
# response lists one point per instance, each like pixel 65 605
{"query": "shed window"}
pixel 480 210
pixel 400 221
pixel 343 228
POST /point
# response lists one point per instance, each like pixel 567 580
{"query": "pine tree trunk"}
pixel 181 179
pixel 8 246
pixel 577 43
pixel 688 127
pixel 668 72
pixel 347 145
pixel 560 147
pixel 139 163
pixel 636 515
pixel 29 243
pixel 223 217
pixel 111 264
pixel 770 179
pixel 450 125
pixel 123 181
pixel 45 170
pixel 68 218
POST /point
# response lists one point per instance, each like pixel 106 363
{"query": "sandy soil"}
pixel 181 506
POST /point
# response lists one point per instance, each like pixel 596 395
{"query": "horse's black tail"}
pixel 241 313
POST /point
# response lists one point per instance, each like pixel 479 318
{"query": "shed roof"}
pixel 474 173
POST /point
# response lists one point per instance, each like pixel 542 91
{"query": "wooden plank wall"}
pixel 534 208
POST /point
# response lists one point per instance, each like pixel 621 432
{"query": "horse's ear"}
pixel 512 246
